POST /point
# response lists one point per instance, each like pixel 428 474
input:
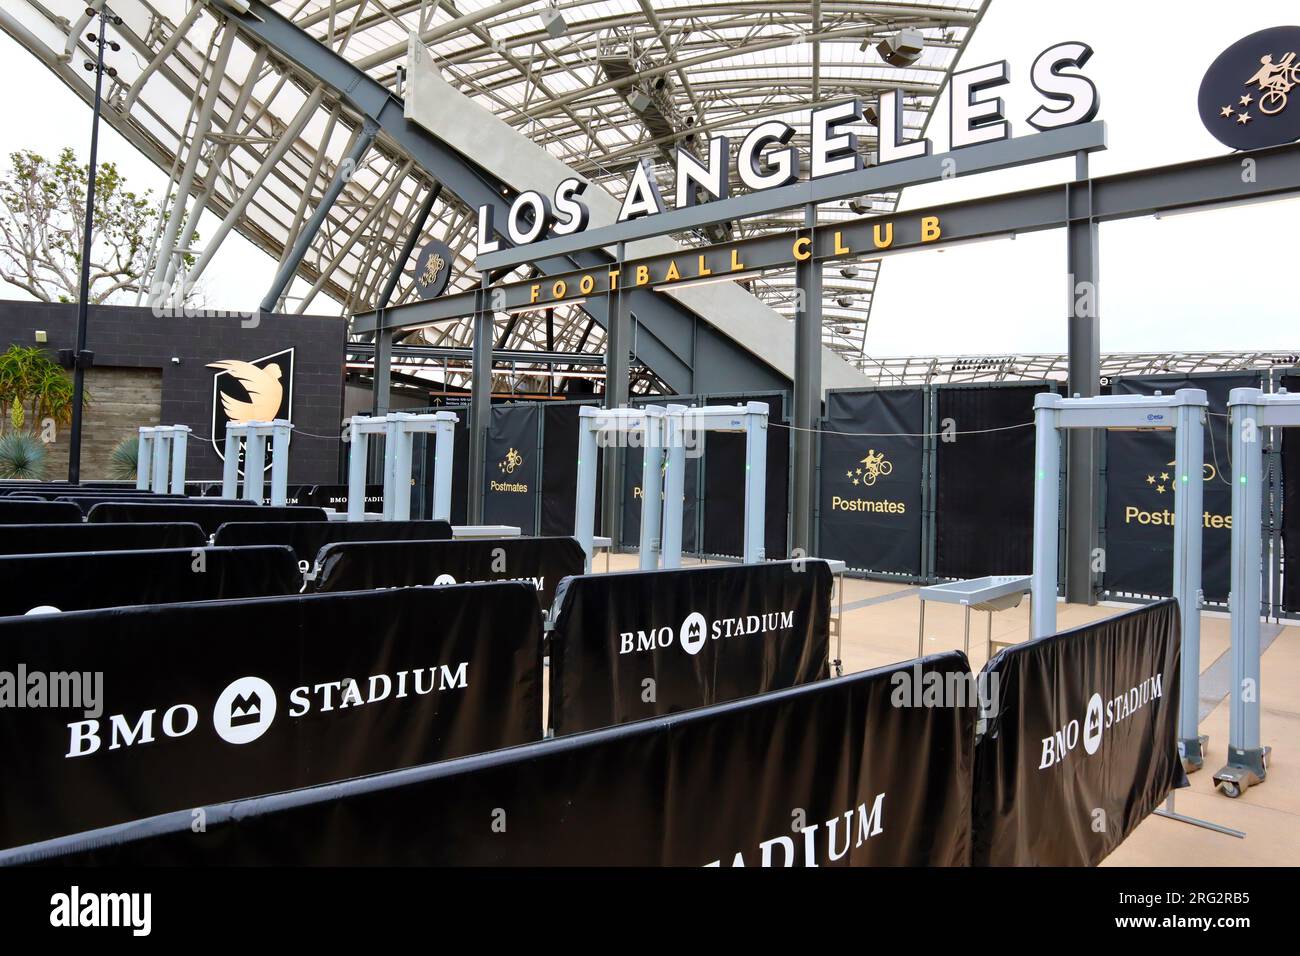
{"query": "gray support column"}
pixel 584 512
pixel 285 274
pixel 807 390
pixel 380 388
pixel 1247 762
pixel 480 402
pixel 618 342
pixel 230 467
pixel 180 440
pixel 358 447
pixel 1047 505
pixel 1083 444
pixel 1189 460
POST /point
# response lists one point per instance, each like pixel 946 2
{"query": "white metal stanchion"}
pixel 1251 411
pixel 1184 411
pixel 161 459
pixel 180 442
pixel 254 436
pixel 681 423
pixel 144 457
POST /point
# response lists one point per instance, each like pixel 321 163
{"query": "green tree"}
pixel 42 219
pixel 33 388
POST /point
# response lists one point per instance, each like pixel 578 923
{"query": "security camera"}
pixel 176 360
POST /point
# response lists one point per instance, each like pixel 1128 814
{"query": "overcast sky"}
pixel 1218 280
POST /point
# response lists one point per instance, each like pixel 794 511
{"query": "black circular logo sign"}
pixel 433 269
pixel 1250 96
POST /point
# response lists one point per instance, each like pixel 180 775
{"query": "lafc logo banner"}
pixel 259 390
pixel 1248 96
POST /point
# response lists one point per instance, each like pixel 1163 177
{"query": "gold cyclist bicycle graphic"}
pixel 874 466
pixel 512 461
pixel 1276 80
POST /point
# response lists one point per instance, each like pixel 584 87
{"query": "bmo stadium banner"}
pixel 834 773
pixel 1140 494
pixel 184 705
pixel 511 476
pixel 1082 742
pixel 870 514
pixel 540 563
pixel 638 644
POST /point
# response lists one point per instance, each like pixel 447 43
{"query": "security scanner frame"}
pixel 159 446
pixel 679 422
pixel 254 436
pixel 648 422
pixel 1185 411
pixel 399 430
pixel 1249 410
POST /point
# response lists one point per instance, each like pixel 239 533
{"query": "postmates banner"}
pixel 1140 494
pixel 1083 744
pixel 208 515
pixel 871 454
pixel 637 644
pixel 632 461
pixel 539 562
pixel 81 580
pixel 308 537
pixel 828 774
pixel 510 476
pixel 195 704
pixel 82 536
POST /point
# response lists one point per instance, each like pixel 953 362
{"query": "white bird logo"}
pixel 264 391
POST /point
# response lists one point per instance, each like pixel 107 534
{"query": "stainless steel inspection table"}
pixel 996 592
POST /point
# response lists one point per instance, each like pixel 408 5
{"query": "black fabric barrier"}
pixel 308 537
pixel 210 702
pixel 207 515
pixel 1140 494
pixel 86 502
pixel 83 536
pixel 510 478
pixel 984 483
pixel 870 515
pixel 703 635
pixel 540 562
pixel 1291 508
pixel 1084 744
pixel 336 497
pixel 19 511
pixel 873 784
pixel 80 580
pixel 559 480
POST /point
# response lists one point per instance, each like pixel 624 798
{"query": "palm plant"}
pixel 33 388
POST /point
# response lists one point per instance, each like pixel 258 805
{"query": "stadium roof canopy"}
pixel 600 84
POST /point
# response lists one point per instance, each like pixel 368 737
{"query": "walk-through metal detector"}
pixel 683 426
pixel 1185 412
pixel 159 446
pixel 1250 410
pixel 399 430
pixel 602 427
pixel 254 436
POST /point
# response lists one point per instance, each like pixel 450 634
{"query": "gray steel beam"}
pixel 986 157
pixel 666 318
pixel 300 245
pixel 807 393
pixel 500 357
pixel 1083 448
pixel 480 403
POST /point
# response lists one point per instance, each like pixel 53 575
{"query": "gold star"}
pixel 1246 100
pixel 1151 479
pixel 1164 476
pixel 1226 111
pixel 855 481
pixel 1243 119
pixel 848 474
pixel 1160 489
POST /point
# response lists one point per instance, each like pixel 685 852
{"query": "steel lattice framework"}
pixel 242 132
pixel 957 369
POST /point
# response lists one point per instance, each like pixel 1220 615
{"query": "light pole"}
pixel 82 359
